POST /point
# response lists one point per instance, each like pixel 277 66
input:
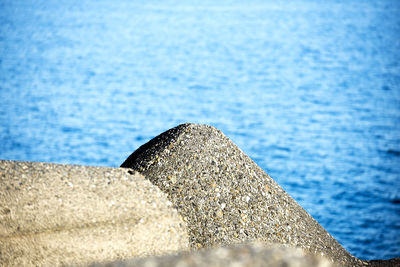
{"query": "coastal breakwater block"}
pixel 52 215
pixel 243 255
pixel 226 198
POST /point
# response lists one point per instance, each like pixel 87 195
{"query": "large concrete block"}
pixel 52 214
pixel 225 197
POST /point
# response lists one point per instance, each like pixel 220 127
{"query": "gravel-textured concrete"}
pixel 225 197
pixel 52 214
pixel 395 262
pixel 249 255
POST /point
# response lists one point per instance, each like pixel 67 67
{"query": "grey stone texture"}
pixel 395 262
pixel 225 198
pixel 244 255
pixel 52 215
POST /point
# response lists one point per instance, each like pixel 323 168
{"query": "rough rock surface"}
pixel 249 255
pixel 52 214
pixel 395 262
pixel 225 197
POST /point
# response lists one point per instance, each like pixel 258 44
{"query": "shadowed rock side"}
pixel 225 197
pixel 52 214
pixel 395 262
pixel 249 255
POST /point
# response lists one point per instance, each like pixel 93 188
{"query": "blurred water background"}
pixel 310 90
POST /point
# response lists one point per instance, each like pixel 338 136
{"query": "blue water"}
pixel 309 89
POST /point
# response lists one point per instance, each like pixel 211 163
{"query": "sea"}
pixel 310 90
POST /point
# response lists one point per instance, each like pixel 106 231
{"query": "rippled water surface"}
pixel 309 89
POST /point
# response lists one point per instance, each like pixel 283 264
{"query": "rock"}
pixel 395 262
pixel 246 255
pixel 225 198
pixel 52 215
